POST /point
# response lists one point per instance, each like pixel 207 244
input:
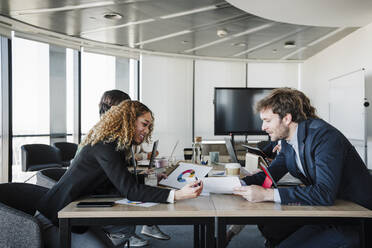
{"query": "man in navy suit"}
pixel 322 158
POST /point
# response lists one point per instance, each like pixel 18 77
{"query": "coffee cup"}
pixel 232 169
pixel 187 152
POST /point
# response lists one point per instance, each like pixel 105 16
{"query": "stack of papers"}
pixel 220 185
pixel 125 201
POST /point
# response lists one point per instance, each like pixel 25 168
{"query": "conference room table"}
pixel 232 209
pixel 206 212
pixel 199 212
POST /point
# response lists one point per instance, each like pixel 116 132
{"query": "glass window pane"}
pixel 30 87
pixel 70 91
pixel 30 71
pixel 98 75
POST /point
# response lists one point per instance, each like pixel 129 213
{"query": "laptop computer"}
pixel 153 154
pixel 231 151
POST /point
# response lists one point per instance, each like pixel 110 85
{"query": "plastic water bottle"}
pixel 197 150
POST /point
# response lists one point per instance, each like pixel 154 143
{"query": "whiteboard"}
pixel 346 110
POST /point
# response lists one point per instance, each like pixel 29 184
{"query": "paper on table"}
pixel 136 203
pixel 220 185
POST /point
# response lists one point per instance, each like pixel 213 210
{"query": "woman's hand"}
pixel 161 176
pixel 189 191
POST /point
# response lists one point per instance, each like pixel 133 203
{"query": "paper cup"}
pixel 232 169
pixel 161 162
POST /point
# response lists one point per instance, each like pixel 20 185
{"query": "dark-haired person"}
pixel 322 158
pixel 104 156
pixel 111 98
pixel 118 234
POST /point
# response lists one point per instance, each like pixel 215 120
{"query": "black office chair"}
pixel 18 226
pixel 40 156
pixel 49 177
pixel 67 151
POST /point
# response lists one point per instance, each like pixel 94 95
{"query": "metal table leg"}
pixel 64 233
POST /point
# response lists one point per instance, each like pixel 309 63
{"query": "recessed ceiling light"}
pixel 222 32
pixel 239 44
pixel 112 16
pixel 289 44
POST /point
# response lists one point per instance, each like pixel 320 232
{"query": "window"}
pixel 30 97
pixel 97 76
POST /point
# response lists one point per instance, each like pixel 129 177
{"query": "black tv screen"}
pixel 234 110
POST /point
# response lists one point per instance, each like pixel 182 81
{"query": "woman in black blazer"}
pixel 105 156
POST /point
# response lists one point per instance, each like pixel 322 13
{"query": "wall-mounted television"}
pixel 234 110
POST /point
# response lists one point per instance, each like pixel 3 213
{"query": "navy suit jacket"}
pixel 333 168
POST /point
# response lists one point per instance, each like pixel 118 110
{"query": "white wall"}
pixel 273 75
pixel 347 55
pixel 166 88
pixel 210 74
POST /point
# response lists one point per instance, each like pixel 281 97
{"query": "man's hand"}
pixel 189 191
pixel 255 193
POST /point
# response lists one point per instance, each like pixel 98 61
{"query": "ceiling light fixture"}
pixel 313 43
pixel 112 16
pixel 269 42
pixel 222 32
pixel 290 44
pixel 246 32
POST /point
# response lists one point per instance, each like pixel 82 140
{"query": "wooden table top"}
pixel 236 206
pixel 198 207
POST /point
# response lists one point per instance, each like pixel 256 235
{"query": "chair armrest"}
pixel 18 229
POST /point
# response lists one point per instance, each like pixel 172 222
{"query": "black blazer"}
pixel 90 170
pixel 332 166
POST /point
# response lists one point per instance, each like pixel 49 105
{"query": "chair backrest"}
pixel 67 150
pixel 21 196
pixel 38 155
pixel 18 226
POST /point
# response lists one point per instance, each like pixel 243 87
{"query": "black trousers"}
pixel 276 233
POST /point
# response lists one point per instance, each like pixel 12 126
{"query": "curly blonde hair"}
pixel 118 124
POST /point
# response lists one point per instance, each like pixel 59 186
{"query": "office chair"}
pixel 67 151
pixel 39 156
pixel 48 177
pixel 18 226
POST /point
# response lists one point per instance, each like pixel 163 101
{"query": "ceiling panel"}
pixel 175 26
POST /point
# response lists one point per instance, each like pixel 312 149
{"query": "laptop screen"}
pixel 231 150
pixel 153 154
